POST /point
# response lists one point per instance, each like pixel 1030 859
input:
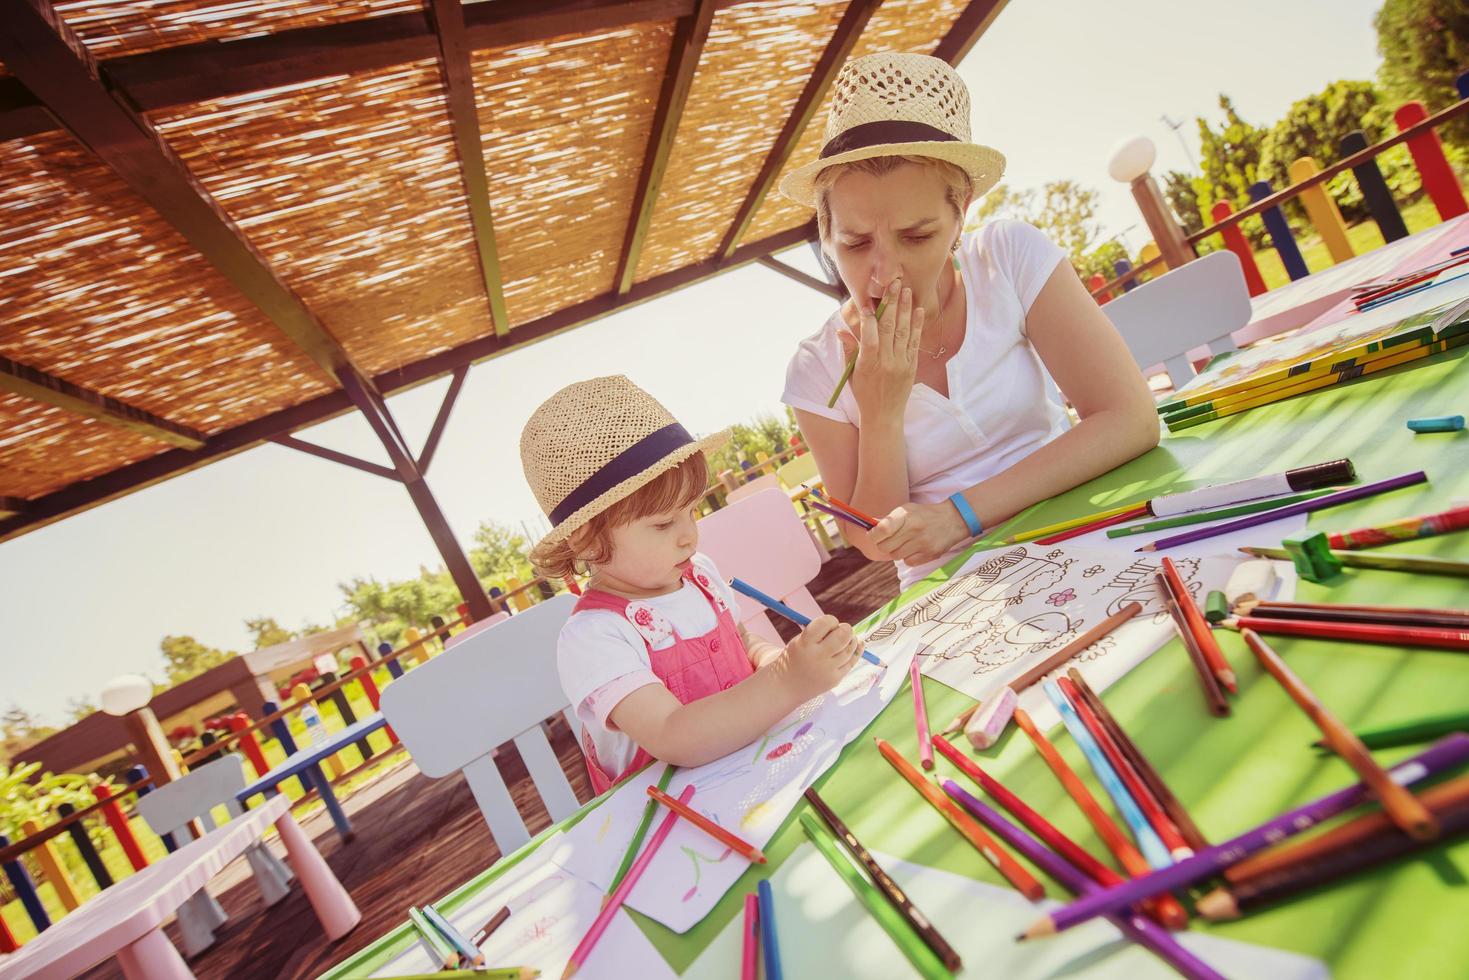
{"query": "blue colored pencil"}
pixel 457 939
pixel 780 608
pixel 1147 838
pixel 768 947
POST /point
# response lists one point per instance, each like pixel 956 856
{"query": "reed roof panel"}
pixel 44 448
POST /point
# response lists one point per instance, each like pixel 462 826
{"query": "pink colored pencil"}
pixel 920 716
pixel 604 918
pixel 750 963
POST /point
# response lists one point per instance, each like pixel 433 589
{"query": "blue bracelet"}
pixel 971 520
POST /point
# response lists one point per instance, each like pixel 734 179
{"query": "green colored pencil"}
pixel 636 844
pixel 851 364
pixel 907 940
pixel 1413 732
pixel 1384 563
pixel 1203 516
pixel 492 973
pixel 439 950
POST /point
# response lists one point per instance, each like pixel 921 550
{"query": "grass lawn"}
pixel 1364 238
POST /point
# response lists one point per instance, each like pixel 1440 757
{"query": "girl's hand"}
pixel 917 533
pixel 821 656
pixel 887 356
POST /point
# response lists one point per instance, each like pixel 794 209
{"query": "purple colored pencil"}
pixel 1444 754
pixel 1303 507
pixel 1135 927
pixel 841 514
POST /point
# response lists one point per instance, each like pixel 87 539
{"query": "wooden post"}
pixel 1234 240
pixel 25 890
pixel 86 848
pixel 151 745
pixel 1280 233
pixel 302 693
pixel 55 871
pixel 7 938
pixel 344 708
pixel 1150 252
pixel 136 774
pixel 282 731
pixel 517 595
pixel 1170 239
pixel 1122 267
pixel 369 689
pixel 1096 282
pixel 240 722
pixel 1374 189
pixel 121 828
pixel 411 635
pixel 1439 179
pixel 1322 210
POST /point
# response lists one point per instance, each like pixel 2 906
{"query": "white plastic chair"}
pixel 172 808
pixel 1188 310
pixel 757 485
pixel 762 540
pixel 491 687
pixel 457 638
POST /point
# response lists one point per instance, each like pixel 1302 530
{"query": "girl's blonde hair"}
pixel 958 187
pixel 591 544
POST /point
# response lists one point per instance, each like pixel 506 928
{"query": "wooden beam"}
pixel 967 28
pixel 678 78
pixel 12 506
pixel 441 420
pixel 26 381
pixel 40 50
pixel 791 272
pixel 86 494
pixel 843 40
pixel 332 455
pixel 454 62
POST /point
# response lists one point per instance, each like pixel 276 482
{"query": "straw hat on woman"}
pixel 951 421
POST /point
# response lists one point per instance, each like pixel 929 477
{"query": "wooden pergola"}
pixel 224 222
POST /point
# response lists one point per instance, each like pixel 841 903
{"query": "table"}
pixel 126 920
pixel 308 760
pixel 1403 921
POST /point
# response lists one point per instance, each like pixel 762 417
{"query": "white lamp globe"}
pixel 126 693
pixel 1131 159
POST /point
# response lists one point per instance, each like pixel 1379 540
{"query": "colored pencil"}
pixel 480 973
pixel 920 714
pixel 630 855
pixel 840 514
pixel 1143 833
pixel 769 943
pixel 1156 785
pixel 1421 526
pixel 1366 842
pixel 1450 752
pixel 1165 907
pixel 609 911
pixel 1403 636
pixel 1135 927
pixel 750 958
pixel 1077 532
pixel 1074 522
pixel 1204 516
pixel 1075 647
pixel 1402 806
pixel 434 942
pixel 780 608
pixel 890 889
pixel 1150 805
pixel 488 929
pixel 908 937
pixel 843 505
pixel 852 364
pixel 469 954
pixel 1303 507
pixel 1413 732
pixel 1213 695
pixel 1199 626
pixel 743 848
pixel 976 835
pixel 1344 613
pixel 1417 564
pixel 957 725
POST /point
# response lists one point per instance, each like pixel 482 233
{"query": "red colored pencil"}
pixel 743 848
pixel 750 960
pixel 848 508
pixel 1199 627
pixel 920 715
pixel 1076 532
pixel 1397 636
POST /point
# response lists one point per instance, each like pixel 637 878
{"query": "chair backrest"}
pixel 473 628
pixel 1196 306
pixel 169 808
pixel 494 686
pixel 761 539
pixel 767 482
pixel 794 472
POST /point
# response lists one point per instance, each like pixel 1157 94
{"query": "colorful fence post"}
pixel 54 869
pixel 25 890
pixel 303 693
pixel 1374 189
pixel 1439 179
pixel 1322 210
pixel 395 667
pixel 7 938
pixel 517 596
pixel 440 630
pixel 1280 234
pixel 240 722
pixel 1096 282
pixel 571 585
pixel 282 731
pixel 374 697
pixel 1122 267
pixel 137 774
pixel 1150 252
pixel 1234 240
pixel 411 636
pixel 344 708
pixel 86 848
pixel 121 828
pixel 463 610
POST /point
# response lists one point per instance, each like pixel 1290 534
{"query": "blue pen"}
pixel 768 947
pixel 780 608
pixel 1148 840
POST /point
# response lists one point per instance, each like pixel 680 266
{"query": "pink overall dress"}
pixel 692 668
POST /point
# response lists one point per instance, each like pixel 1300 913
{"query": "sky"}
pixel 1055 85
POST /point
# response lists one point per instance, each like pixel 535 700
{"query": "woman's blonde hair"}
pixel 958 187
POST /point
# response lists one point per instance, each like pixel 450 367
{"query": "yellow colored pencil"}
pixel 1075 522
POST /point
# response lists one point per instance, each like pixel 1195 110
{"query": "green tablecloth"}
pixel 1410 920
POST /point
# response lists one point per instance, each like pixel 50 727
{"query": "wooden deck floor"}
pixel 418 838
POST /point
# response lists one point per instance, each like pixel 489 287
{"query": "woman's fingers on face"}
pixel 915 328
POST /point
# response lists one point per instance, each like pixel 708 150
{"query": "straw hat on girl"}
pixel 595 442
pixel 894 104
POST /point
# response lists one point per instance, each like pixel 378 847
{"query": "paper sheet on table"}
pixel 823 931
pixel 749 792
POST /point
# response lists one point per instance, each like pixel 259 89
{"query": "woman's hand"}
pixel 917 533
pixel 887 357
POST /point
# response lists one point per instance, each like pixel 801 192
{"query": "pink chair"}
pixel 762 540
pixel 758 485
pixel 474 628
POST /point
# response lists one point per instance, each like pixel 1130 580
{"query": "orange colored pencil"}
pixel 967 826
pixel 1199 627
pixel 850 509
pixel 743 848
pixel 1076 532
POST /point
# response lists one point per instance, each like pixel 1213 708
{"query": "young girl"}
pixel 652 659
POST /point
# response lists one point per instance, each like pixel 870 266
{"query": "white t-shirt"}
pixel 1002 404
pixel 602 657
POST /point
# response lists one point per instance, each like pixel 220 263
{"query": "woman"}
pixel 949 423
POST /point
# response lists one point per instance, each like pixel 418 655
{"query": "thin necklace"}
pixel 936 354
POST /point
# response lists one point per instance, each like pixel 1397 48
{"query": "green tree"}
pixel 18 729
pixel 25 795
pixel 390 608
pixel 769 434
pixel 499 552
pixel 1002 202
pixel 79 708
pixel 266 632
pixel 1183 198
pixel 185 657
pixel 1231 163
pixel 1065 210
pixel 1424 46
pixel 1101 260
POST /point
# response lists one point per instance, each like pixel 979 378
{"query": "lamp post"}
pixel 127 697
pixel 1129 164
